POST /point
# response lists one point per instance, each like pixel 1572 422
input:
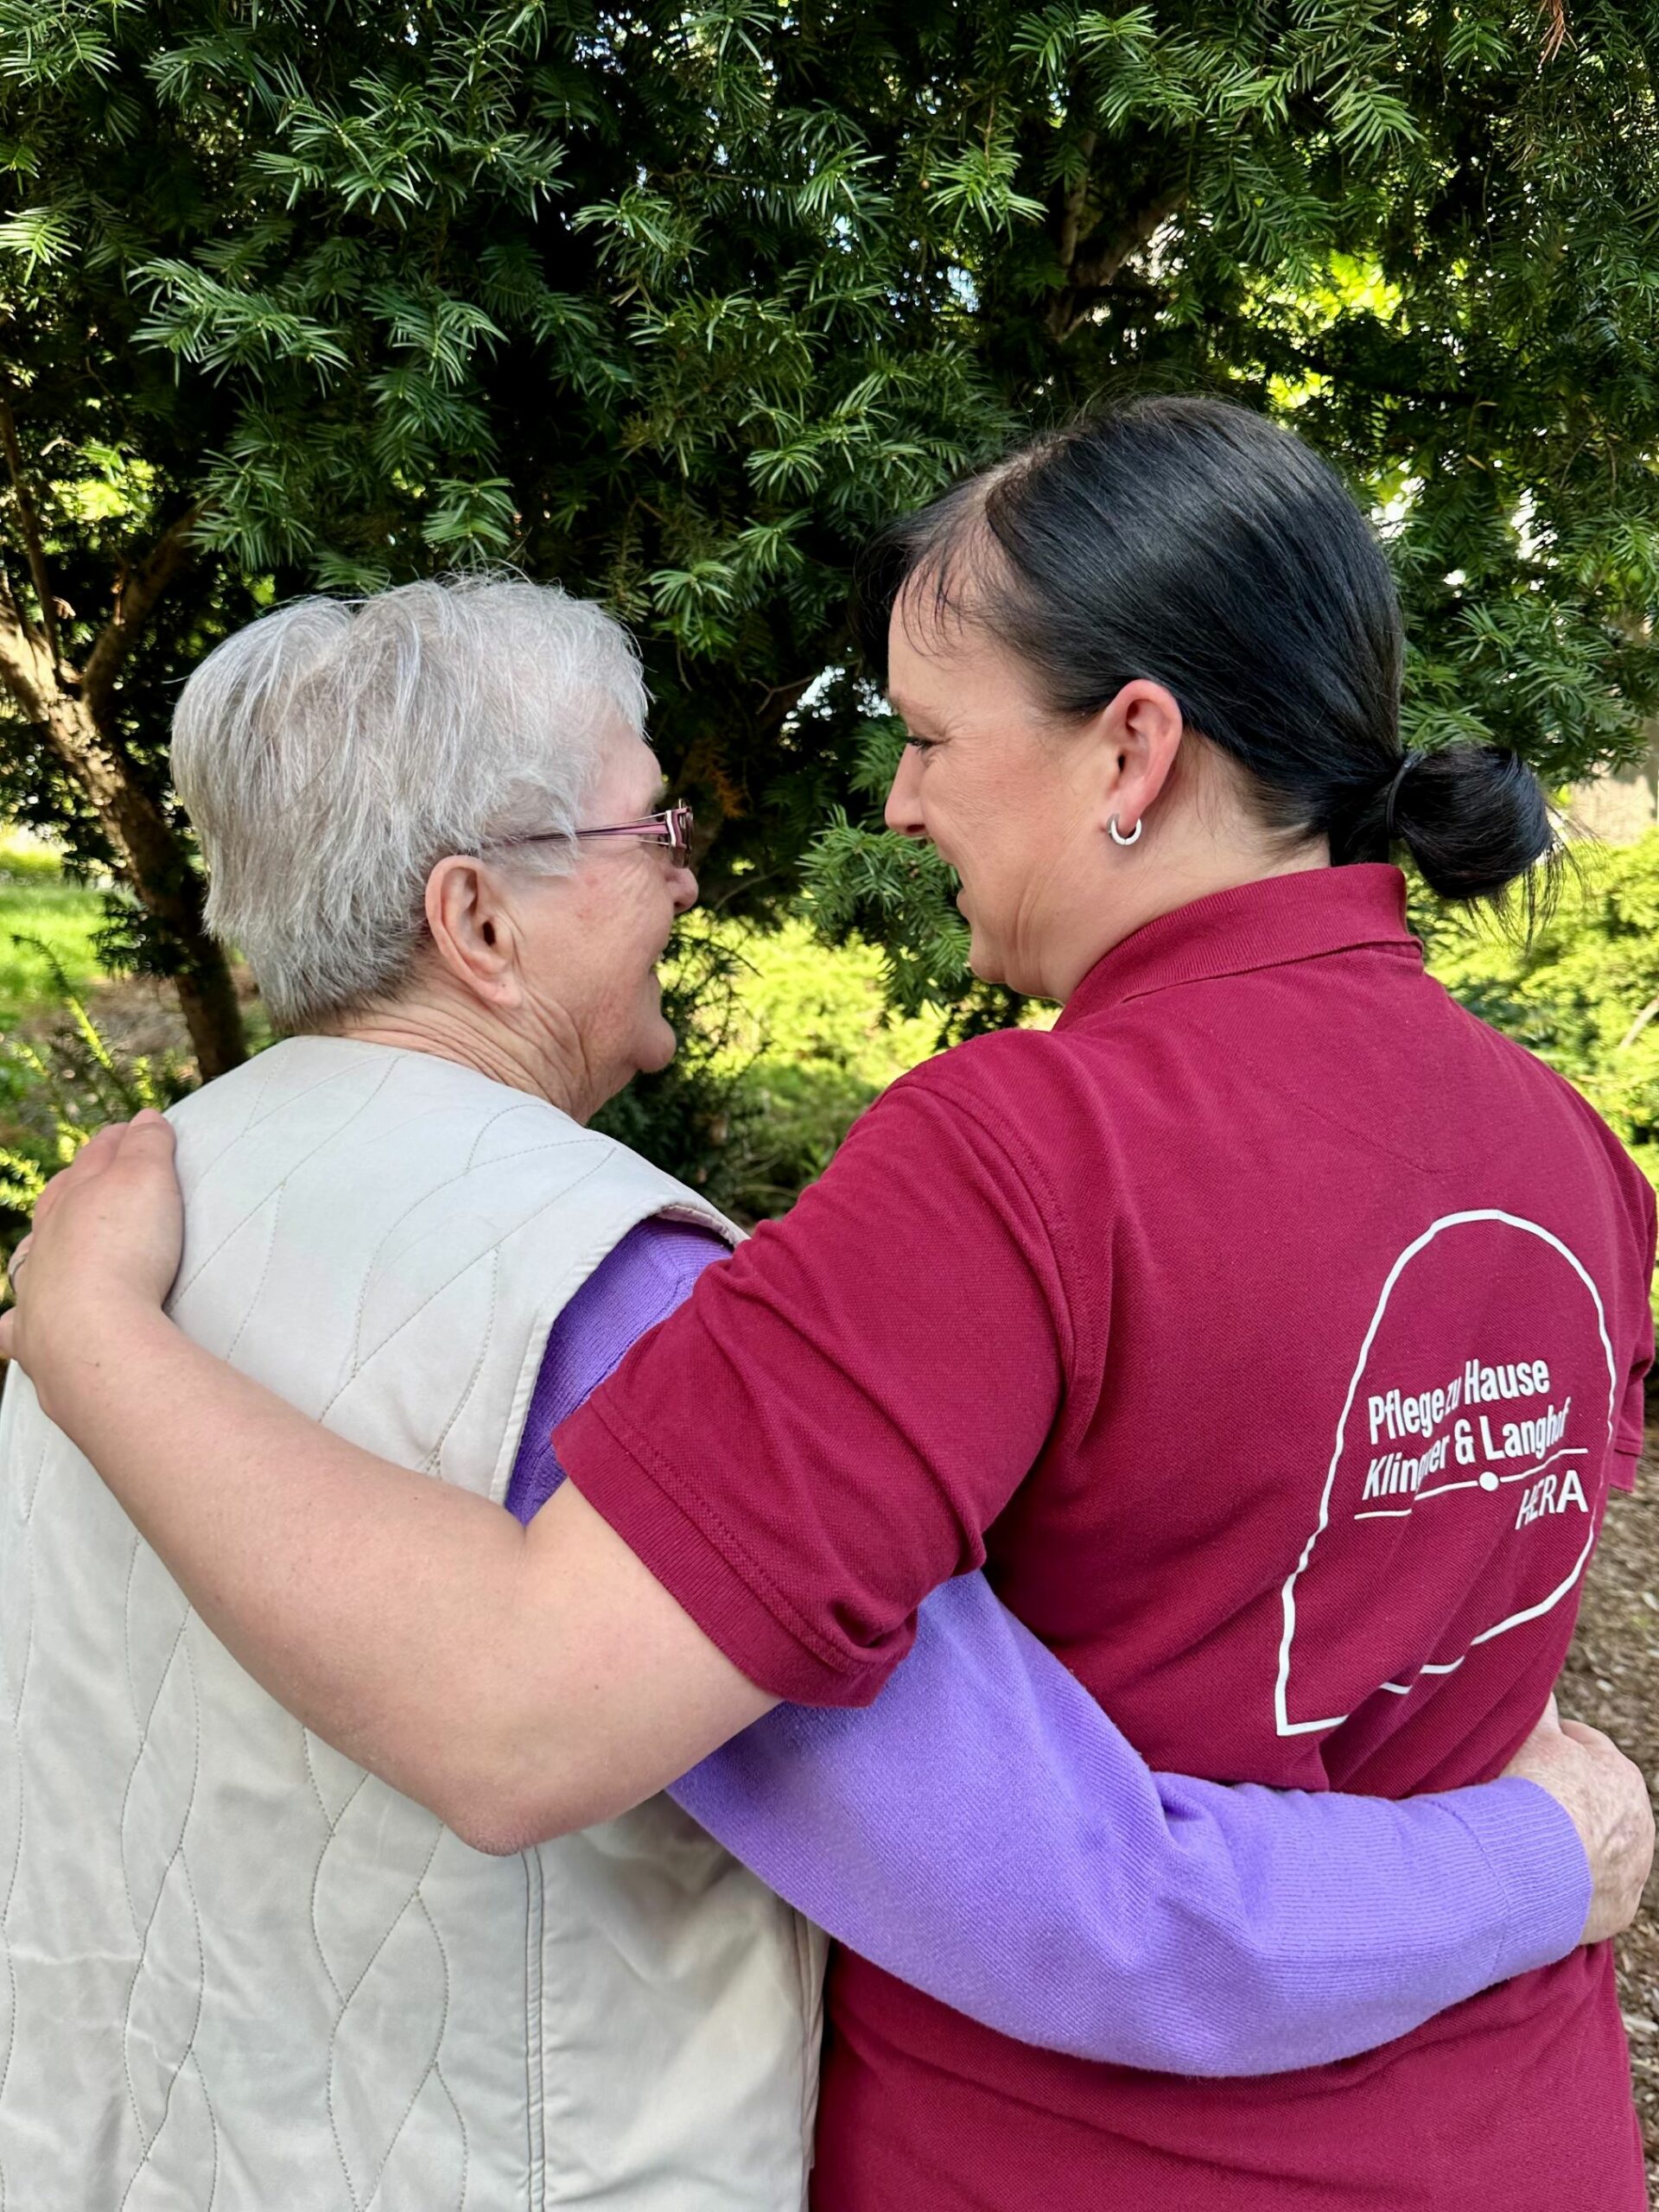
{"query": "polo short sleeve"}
pixel 904 1336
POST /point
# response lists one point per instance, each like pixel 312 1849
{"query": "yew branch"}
pixel 137 591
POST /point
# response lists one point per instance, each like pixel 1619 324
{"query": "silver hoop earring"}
pixel 1133 837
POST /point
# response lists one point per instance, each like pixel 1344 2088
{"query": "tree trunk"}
pixel 76 710
pixel 151 855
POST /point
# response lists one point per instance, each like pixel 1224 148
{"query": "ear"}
pixel 472 929
pixel 1140 735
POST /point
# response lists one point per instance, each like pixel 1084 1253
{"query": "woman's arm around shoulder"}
pixel 984 1832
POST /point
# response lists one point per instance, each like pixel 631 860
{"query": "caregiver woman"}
pixel 1273 1329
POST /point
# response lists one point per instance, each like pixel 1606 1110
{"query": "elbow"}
pixel 496 1818
pixel 499 1778
pixel 501 1814
pixel 497 1831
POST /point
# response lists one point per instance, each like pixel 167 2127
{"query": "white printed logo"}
pixel 1512 1431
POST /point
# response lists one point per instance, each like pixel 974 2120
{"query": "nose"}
pixel 685 888
pixel 903 811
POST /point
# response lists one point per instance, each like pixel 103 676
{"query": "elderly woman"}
pixel 244 1967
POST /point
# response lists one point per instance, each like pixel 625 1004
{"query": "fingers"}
pixel 100 1148
pixel 1547 1724
pixel 145 1142
pixel 1582 1732
pixel 94 1156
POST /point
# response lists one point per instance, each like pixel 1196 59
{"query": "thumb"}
pixel 148 1141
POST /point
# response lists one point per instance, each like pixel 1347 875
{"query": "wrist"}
pixel 1537 1858
pixel 82 1359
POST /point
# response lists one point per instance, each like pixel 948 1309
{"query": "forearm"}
pixel 403 1620
pixel 985 1833
pixel 309 1558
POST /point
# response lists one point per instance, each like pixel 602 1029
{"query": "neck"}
pixel 1181 879
pixel 473 1039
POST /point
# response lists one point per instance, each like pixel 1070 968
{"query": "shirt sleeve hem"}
pixel 1538 1862
pixel 705 1569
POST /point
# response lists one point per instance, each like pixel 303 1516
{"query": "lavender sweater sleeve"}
pixel 983 1831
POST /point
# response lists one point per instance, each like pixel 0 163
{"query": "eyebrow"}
pixel 919 725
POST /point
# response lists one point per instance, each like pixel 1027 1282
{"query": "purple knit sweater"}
pixel 984 1832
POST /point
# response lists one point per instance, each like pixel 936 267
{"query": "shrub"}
pixel 1583 991
pixel 58 1087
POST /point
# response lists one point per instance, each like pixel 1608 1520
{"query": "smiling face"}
pixel 588 943
pixel 1008 793
pixel 1021 802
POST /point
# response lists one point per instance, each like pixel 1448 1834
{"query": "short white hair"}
pixel 332 753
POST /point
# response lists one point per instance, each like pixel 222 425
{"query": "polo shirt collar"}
pixel 1267 925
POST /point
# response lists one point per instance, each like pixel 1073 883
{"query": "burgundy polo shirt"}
pixel 1273 1329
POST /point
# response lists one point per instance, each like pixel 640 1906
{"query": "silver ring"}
pixel 1133 837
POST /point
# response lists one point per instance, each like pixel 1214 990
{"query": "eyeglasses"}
pixel 671 828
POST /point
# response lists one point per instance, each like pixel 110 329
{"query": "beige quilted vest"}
pixel 237 1974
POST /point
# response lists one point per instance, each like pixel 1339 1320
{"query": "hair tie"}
pixel 1408 762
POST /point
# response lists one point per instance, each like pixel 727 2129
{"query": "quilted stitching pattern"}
pixel 166 2091
pixel 16 1629
pixel 406 1998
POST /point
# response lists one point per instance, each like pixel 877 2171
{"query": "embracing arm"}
pixel 523 1682
pixel 984 1832
pixel 520 1683
pixel 1029 1871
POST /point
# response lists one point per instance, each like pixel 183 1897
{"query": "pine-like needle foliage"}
pixel 673 303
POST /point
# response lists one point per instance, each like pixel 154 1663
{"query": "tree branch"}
pixel 1311 361
pixel 29 516
pixel 1096 260
pixel 24 669
pixel 137 591
pixel 1073 203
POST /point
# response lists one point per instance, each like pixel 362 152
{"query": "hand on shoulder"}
pixel 101 1255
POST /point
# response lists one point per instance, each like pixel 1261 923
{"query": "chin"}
pixel 983 963
pixel 657 1046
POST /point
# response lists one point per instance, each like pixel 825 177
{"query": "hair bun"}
pixel 1474 817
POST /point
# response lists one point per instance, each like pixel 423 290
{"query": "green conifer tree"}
pixel 673 303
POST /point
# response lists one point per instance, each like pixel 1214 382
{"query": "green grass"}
pixel 63 917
